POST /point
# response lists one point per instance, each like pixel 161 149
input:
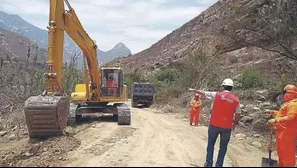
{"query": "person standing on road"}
pixel 285 122
pixel 222 120
pixel 195 109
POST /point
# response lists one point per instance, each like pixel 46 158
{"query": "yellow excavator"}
pixel 103 89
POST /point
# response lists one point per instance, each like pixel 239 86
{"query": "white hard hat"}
pixel 227 82
pixel 196 94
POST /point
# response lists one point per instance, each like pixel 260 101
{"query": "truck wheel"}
pixel 115 117
pixel 133 104
pixel 78 118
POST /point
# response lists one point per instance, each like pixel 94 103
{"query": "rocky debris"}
pixel 247 119
pixel 263 93
pixel 240 136
pixel 41 153
pixel 261 97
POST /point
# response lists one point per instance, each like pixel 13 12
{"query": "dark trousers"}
pixel 213 133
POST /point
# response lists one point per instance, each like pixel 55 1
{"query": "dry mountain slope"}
pixel 206 33
pixel 14 47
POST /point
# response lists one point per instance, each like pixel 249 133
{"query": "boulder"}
pixel 247 119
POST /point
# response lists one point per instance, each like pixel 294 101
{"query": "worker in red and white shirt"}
pixel 222 121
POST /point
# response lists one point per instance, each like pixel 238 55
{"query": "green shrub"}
pixel 251 78
pixel 168 76
pixel 196 70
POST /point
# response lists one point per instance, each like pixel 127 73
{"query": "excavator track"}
pixel 124 114
pixel 46 115
pixel 119 110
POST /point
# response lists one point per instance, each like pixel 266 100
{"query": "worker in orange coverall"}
pixel 195 109
pixel 285 123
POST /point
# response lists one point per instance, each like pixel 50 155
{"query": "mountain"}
pixel 117 51
pixel 15 23
pixel 207 33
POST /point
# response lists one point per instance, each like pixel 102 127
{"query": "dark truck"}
pixel 142 93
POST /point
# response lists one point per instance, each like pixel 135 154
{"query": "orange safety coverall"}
pixel 112 84
pixel 195 110
pixel 286 133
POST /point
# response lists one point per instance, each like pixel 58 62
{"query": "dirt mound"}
pixel 40 153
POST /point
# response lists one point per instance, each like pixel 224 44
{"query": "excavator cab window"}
pixel 111 82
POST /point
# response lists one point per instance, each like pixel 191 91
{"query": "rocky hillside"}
pixel 15 48
pixel 20 59
pixel 15 23
pixel 206 33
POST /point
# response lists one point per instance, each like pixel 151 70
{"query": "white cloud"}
pixel 136 23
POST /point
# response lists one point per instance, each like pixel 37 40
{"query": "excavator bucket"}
pixel 46 115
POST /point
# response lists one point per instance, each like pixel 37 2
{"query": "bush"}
pixel 168 76
pixel 251 78
pixel 71 75
pixel 196 70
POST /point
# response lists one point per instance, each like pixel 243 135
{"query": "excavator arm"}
pixel 47 114
pixel 61 20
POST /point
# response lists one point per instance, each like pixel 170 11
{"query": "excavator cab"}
pixel 112 82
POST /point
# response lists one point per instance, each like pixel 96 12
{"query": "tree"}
pixel 272 27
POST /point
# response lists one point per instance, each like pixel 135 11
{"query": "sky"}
pixel 136 23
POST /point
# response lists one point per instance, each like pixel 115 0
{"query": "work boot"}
pixel 191 124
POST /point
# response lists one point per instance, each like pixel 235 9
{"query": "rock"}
pixel 247 119
pixel 34 149
pixel 44 154
pixel 45 149
pixel 249 106
pixel 262 92
pixel 260 125
pixel 257 144
pixel 261 98
pixel 256 109
pixel 60 158
pixel 14 128
pixel 12 137
pixel 241 106
pixel 257 136
pixel 265 105
pixel 93 126
pixel 28 154
pixel 244 111
pixel 2 133
pixel 240 136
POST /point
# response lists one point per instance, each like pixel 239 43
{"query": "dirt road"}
pixel 153 139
